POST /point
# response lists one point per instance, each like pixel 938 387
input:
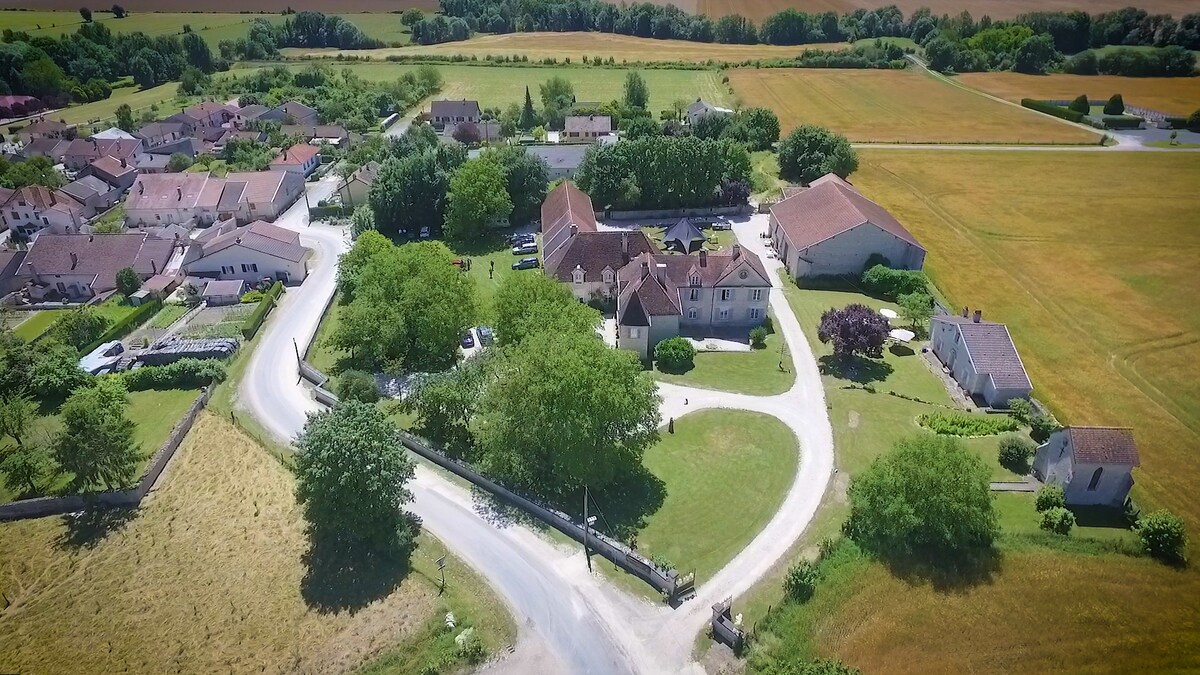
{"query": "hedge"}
pixel 255 320
pixel 1176 122
pixel 1121 122
pixel 962 424
pixel 182 374
pixel 126 325
pixel 1051 109
pixel 319 212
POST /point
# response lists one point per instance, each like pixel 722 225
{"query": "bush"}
pixel 1015 452
pixel 1163 536
pixel 251 297
pixel 1115 105
pixel 892 283
pixel 126 325
pixel 1058 520
pixel 758 337
pixel 1050 497
pixel 801 581
pixel 256 318
pixel 182 374
pixel 79 328
pixel 674 355
pixel 1020 409
pixel 1121 122
pixel 1041 426
pixel 1051 109
pixel 1080 105
pixel 356 385
pixel 468 647
pixel 963 424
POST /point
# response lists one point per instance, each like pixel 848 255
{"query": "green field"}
pixel 102 113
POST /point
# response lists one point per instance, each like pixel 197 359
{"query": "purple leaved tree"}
pixel 854 329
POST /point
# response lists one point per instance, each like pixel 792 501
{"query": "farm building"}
pixel 981 357
pixel 830 228
pixel 1093 465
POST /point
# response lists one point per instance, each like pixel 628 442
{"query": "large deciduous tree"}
pixel 927 498
pixel 526 177
pixel 662 172
pixel 351 263
pixel 478 200
pixel 17 412
pixel 531 303
pixel 96 444
pixel 810 152
pixel 351 477
pixel 637 94
pixel 853 330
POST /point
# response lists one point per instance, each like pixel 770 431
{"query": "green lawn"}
pixel 168 315
pixel 764 174
pixel 37 323
pixel 753 372
pixel 486 284
pixel 322 356
pixel 725 473
pixel 218 167
pixel 115 308
pixel 1018 516
pixel 101 112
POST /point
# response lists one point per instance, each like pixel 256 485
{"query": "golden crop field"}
pixel 576 46
pixel 997 9
pixel 207 577
pixel 890 106
pixel 1173 95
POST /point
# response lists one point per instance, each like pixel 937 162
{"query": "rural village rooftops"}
pixel 42 199
pixel 45 127
pixel 171 190
pixel 596 124
pixel 100 256
pixel 297 155
pixel 259 236
pixel 121 148
pixel 112 167
pixel 565 206
pixel 829 207
pixel 455 109
pixel 991 350
pixel 53 148
pixel 563 157
pixel 85 188
pixel 315 130
pixel 1104 445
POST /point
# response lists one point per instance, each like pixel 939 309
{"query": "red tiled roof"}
pixel 594 251
pixel 298 155
pixel 1104 445
pixel 112 166
pixel 676 272
pixel 829 207
pixel 258 236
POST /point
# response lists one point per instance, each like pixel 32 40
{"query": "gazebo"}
pixel 683 236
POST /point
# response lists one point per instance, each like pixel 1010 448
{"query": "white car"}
pixel 525 249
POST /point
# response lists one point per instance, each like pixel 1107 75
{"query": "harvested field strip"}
pixel 997 9
pixel 888 106
pixel 1172 95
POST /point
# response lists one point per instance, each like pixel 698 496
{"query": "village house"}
pixel 830 228
pixel 199 199
pixel 29 210
pixel 10 269
pixel 981 357
pixel 159 133
pixel 1093 465
pixel 356 187
pixel 84 151
pixel 701 109
pixel 117 172
pixel 52 149
pixel 319 134
pixel 576 253
pixel 44 128
pixel 562 160
pixel 206 114
pixel 442 113
pixel 249 253
pixel 248 114
pixel 93 194
pixel 80 266
pixel 152 163
pixel 299 159
pixel 579 128
pixel 291 112
pixel 113 133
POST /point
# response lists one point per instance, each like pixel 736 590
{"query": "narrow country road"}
pixel 570 620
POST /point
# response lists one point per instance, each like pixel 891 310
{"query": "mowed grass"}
pixel 890 106
pixel 37 323
pixel 498 86
pixel 726 472
pixel 165 96
pixel 997 9
pixel 576 46
pixel 1172 95
pixel 207 577
pixel 755 372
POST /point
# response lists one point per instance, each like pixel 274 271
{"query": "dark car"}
pixel 518 239
pixel 468 341
pixel 486 337
pixel 525 264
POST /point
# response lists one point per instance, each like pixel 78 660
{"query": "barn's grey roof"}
pixel 992 352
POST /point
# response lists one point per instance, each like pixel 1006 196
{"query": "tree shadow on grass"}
pixel 946 573
pixel 86 529
pixel 623 506
pixel 338 579
pixel 856 368
pixel 672 369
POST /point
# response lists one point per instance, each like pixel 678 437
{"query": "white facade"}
pixel 239 262
pixel 845 253
pixel 1084 483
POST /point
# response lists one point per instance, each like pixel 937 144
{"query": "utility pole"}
pixel 586 529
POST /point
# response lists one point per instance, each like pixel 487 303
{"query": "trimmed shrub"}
pixel 892 283
pixel 182 374
pixel 674 355
pixel 1058 520
pixel 251 297
pixel 1020 409
pixel 1115 105
pixel 758 337
pixel 1051 109
pixel 1080 105
pixel 256 318
pixel 1176 122
pixel 963 424
pixel 1041 426
pixel 1163 536
pixel 1015 452
pixel 1050 497
pixel 1121 122
pixel 801 581
pixel 356 385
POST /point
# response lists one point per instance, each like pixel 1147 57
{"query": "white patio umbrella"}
pixel 901 335
pixel 888 313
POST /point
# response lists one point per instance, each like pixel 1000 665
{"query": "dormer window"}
pixel 607 275
pixel 694 280
pixel 577 275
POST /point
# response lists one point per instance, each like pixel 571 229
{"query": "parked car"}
pixel 468 340
pixel 523 238
pixel 722 226
pixel 425 232
pixel 526 264
pixel 486 337
pixel 525 249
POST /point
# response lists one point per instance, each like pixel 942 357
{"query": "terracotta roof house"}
pixel 832 229
pixel 118 172
pixel 52 149
pixel 356 187
pixel 699 295
pixel 31 210
pixel 249 253
pixel 201 199
pixel 586 129
pixel 291 112
pixel 442 113
pixel 93 194
pixel 981 357
pixel 300 159
pixel 701 108
pixel 1093 465
pixel 84 151
pixel 206 114
pixel 80 266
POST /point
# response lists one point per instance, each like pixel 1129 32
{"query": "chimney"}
pixel 703 258
pixel 179 194
pixel 74 260
pixel 141 188
pixel 123 163
pixel 978 315
pixel 33 271
pixel 645 268
pixel 658 271
pixel 965 312
pixel 737 250
pixel 625 244
pixel 91 238
pixel 574 229
pixel 154 265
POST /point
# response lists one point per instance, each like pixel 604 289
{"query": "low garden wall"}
pixel 50 506
pixel 674 213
